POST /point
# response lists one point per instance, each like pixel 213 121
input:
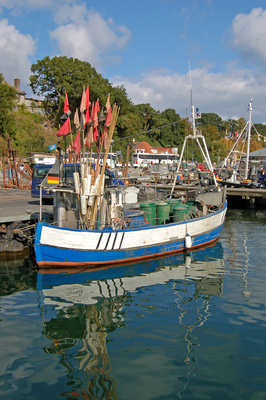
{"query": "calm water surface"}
pixel 183 327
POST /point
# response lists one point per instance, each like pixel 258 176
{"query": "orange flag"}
pixel 65 128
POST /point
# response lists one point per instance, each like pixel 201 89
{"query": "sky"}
pixel 157 49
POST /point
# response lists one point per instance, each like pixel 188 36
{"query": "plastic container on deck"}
pixel 173 203
pixel 192 206
pixel 163 213
pixel 150 209
pixel 181 212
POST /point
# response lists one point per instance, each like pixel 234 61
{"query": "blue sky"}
pixel 147 46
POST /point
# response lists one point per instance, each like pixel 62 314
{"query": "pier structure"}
pixel 246 195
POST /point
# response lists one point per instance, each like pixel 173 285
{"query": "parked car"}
pixel 41 170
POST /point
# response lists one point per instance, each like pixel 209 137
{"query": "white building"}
pixel 42 158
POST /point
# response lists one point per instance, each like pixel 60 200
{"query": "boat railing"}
pixel 138 219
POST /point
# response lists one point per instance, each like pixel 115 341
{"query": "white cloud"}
pixel 226 94
pixel 70 13
pixel 15 52
pixel 249 36
pixel 17 5
pixel 91 39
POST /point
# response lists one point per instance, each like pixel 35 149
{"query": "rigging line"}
pixel 255 108
pixel 149 130
pixel 259 134
pixel 245 112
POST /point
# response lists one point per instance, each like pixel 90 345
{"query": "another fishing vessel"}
pixel 98 226
pixel 237 169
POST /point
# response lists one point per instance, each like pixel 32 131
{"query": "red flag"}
pixel 92 112
pixel 66 104
pixel 95 113
pixel 76 143
pixel 87 116
pixel 65 129
pixel 108 117
pixel 83 103
pixel 95 134
pixel 87 98
pixel 97 106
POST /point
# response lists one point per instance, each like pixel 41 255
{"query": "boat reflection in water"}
pixel 80 309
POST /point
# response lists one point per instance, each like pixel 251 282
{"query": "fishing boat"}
pixel 96 226
pixel 237 169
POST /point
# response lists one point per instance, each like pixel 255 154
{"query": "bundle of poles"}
pixel 89 200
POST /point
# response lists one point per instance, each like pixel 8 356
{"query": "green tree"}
pixel 128 125
pixel 118 95
pixel 172 133
pixel 7 101
pixel 150 119
pixel 53 77
pixel 233 126
pixel 32 133
pixel 241 124
pixel 261 129
pixel 210 119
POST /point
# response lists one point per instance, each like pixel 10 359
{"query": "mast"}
pixel 248 138
pixel 204 150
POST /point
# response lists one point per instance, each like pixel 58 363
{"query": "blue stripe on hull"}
pixel 53 256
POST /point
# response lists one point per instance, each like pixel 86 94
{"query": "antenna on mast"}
pixel 190 80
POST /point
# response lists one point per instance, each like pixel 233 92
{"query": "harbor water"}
pixel 182 327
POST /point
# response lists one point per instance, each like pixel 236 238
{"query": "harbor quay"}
pixel 19 213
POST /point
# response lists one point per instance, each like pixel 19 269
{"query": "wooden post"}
pixel 127 160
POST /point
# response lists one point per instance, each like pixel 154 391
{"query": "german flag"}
pixel 53 179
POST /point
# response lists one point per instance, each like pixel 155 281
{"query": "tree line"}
pixel 52 77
